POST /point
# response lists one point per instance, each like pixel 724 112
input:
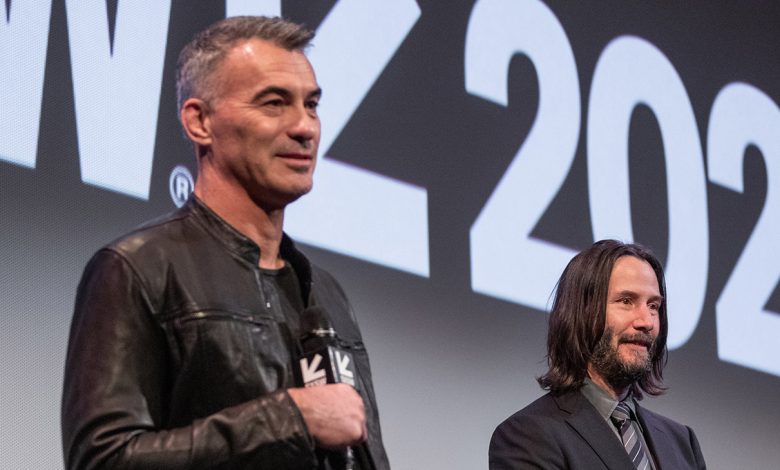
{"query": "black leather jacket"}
pixel 180 359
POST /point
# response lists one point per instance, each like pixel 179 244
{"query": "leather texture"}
pixel 179 356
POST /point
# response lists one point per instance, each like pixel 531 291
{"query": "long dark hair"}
pixel 577 320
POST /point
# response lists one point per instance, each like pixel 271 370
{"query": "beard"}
pixel 616 371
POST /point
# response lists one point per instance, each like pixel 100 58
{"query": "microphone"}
pixel 323 361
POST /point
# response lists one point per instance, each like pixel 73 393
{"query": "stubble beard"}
pixel 616 371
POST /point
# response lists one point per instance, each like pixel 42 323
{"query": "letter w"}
pixel 117 95
pixel 23 41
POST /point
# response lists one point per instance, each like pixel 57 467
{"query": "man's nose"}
pixel 644 319
pixel 304 125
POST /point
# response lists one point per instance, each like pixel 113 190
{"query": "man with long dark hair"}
pixel 606 346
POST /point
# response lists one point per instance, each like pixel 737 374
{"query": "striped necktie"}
pixel 629 434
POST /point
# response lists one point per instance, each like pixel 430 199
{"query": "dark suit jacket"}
pixel 566 431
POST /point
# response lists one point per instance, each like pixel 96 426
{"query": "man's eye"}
pixel 273 103
pixel 312 104
pixel 625 301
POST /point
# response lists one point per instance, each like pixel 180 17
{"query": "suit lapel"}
pixel 587 422
pixel 662 447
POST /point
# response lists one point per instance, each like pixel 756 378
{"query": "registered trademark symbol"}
pixel 180 185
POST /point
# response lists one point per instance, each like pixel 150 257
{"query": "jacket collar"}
pixel 588 423
pixel 239 244
pixel 233 240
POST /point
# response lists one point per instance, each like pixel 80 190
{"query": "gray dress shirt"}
pixel 605 405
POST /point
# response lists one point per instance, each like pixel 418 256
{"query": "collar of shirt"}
pixel 600 399
pixel 605 404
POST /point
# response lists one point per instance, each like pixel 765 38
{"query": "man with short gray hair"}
pixel 185 330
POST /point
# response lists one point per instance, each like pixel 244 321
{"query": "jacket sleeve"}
pixel 117 384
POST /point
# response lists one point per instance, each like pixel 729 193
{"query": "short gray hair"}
pixel 201 57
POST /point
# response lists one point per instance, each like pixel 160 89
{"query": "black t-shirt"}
pixel 285 282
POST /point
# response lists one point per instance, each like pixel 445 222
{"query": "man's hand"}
pixel 334 414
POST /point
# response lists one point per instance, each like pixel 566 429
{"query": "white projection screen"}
pixel 469 149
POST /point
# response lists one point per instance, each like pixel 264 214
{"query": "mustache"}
pixel 645 339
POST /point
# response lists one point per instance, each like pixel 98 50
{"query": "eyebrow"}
pixel 283 92
pixel 632 294
pixel 317 93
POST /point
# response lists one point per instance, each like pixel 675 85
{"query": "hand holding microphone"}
pixel 334 414
pixel 331 407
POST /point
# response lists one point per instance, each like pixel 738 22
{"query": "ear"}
pixel 196 122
